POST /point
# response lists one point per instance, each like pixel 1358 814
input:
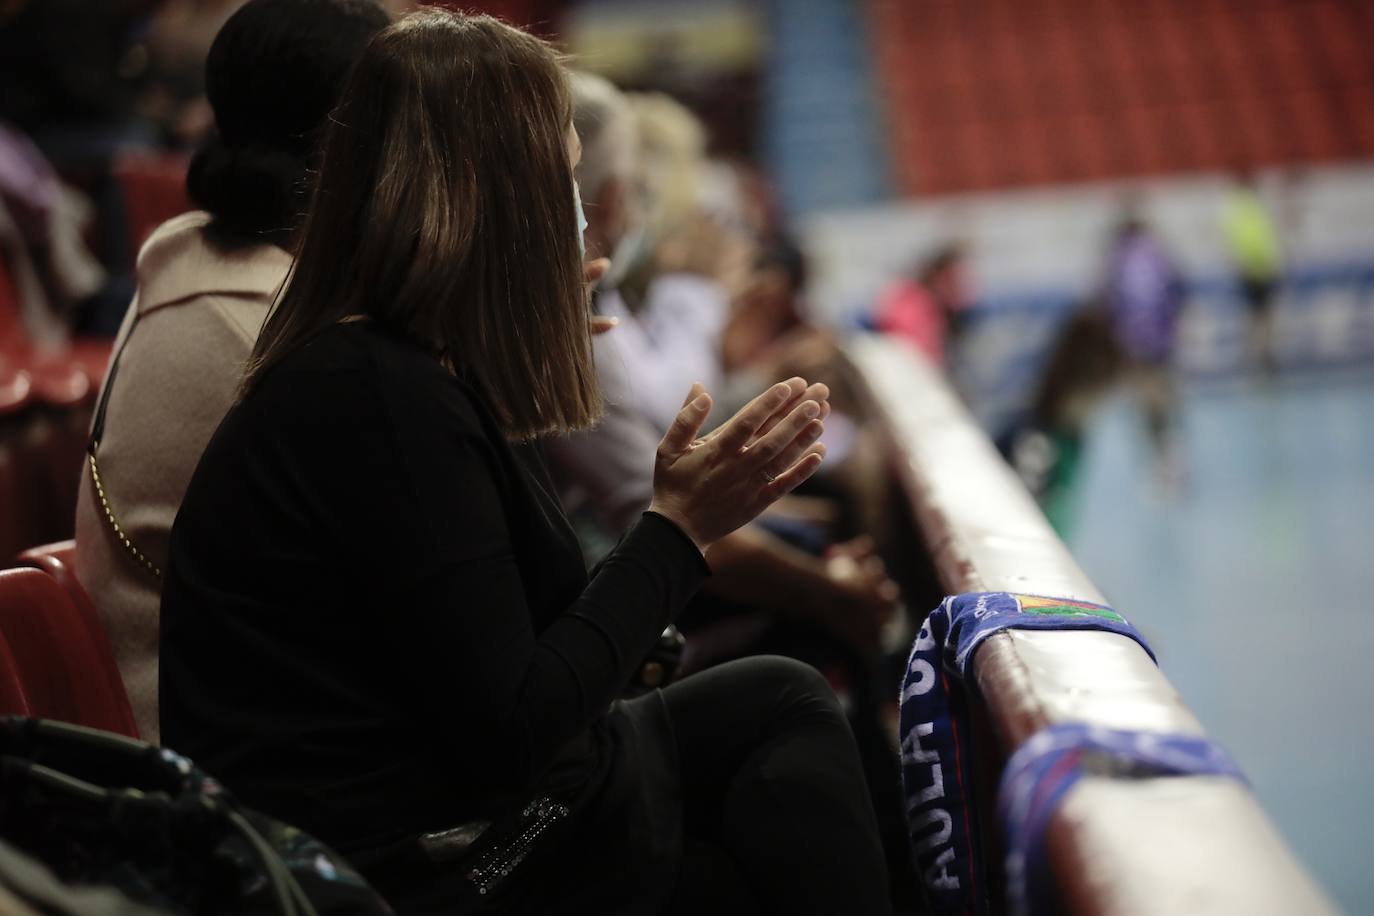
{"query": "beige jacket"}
pixel 198 313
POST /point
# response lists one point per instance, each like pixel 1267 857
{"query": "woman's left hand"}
pixel 592 272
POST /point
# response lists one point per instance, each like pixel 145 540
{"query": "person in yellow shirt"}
pixel 1253 243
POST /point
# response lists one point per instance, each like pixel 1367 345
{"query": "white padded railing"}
pixel 1196 845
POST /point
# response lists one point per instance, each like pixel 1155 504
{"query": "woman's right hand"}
pixel 711 485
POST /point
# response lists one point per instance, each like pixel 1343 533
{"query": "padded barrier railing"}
pixel 1187 844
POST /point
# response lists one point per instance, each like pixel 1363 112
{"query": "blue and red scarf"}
pixel 1050 763
pixel 937 748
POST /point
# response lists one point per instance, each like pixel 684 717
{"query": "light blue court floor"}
pixel 1254 582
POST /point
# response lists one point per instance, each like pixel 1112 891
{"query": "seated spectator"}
pixel 206 280
pixel 377 624
pixel 766 314
pixel 768 332
pixel 769 335
pixel 70 77
pixel 672 266
pixel 608 468
pixel 766 593
pixel 927 309
pixel 42 223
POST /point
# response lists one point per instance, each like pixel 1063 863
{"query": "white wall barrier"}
pixel 1189 844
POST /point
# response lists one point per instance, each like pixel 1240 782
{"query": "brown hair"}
pixel 443 209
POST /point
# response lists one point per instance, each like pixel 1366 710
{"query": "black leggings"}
pixel 777 816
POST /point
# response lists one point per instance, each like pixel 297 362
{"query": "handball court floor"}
pixel 1253 579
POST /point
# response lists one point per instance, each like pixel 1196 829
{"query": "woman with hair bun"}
pixel 377 624
pixel 206 279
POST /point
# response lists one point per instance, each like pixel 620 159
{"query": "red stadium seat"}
pixel 15 399
pixel 59 561
pixel 59 655
pixel 11 327
pixel 12 697
pixel 46 395
pixel 154 189
pixel 1000 93
pixel 92 354
pixel 53 376
pixel 16 387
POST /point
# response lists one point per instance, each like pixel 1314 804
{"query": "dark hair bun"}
pixel 273 73
pixel 251 190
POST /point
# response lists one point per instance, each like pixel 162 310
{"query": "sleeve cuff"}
pixel 666 533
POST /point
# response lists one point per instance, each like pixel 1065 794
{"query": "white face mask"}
pixel 581 222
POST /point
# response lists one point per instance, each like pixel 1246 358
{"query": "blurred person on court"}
pixel 927 308
pixel 826 607
pixel 377 623
pixel 1144 293
pixel 1046 447
pixel 1252 240
pixel 206 280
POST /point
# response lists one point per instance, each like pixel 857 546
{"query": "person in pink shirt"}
pixel 923 308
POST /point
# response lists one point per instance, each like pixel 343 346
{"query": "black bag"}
pixel 101 809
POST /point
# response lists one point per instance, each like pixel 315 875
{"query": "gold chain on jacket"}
pixel 138 555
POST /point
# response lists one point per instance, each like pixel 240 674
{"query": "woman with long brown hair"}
pixel 376 623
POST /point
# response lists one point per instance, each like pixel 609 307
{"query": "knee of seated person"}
pixel 798 686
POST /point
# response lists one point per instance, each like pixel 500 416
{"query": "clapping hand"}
pixel 710 485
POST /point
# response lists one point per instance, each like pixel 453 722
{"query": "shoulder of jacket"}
pixel 172 232
pixel 242 316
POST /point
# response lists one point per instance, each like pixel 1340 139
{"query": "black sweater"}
pixel 376 620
